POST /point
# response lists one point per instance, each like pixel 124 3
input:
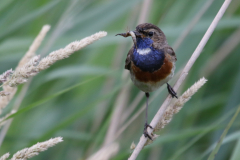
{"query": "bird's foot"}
pixel 145 132
pixel 171 91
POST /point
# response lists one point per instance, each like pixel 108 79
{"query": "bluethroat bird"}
pixel 151 61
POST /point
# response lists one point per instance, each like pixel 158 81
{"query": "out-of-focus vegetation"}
pixel 82 114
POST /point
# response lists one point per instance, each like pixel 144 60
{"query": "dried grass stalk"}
pixel 68 50
pixel 123 96
pixel 5 156
pixel 3 93
pixel 35 149
pixel 174 108
pixel 6 99
pixel 30 53
pixel 106 152
pixel 3 119
pixel 178 104
pixel 35 65
pixel 22 74
pixel 5 75
pixel 32 66
pixel 35 45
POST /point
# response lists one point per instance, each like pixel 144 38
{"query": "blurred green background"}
pixel 83 114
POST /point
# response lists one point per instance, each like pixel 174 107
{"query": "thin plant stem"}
pixel 121 101
pixel 218 145
pixel 194 21
pixel 222 53
pixel 62 25
pixel 17 104
pixel 124 93
pixel 126 124
pixel 182 77
pixel 26 58
pixel 145 10
pixel 109 83
pixel 143 107
pixel 30 53
pixel 132 106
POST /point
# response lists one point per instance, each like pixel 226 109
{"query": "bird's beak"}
pixel 133 34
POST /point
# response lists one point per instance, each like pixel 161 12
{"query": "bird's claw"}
pixel 171 91
pixel 145 132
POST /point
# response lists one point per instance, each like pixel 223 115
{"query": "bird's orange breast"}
pixel 155 76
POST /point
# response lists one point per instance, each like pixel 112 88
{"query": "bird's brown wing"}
pixel 170 51
pixel 128 59
pixel 166 49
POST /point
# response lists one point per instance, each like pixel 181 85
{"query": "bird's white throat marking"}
pixel 144 51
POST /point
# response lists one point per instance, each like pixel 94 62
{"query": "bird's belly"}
pixel 150 81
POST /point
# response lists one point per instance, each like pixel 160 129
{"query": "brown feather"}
pixel 155 76
pixel 129 59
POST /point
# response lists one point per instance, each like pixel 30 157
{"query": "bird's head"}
pixel 147 34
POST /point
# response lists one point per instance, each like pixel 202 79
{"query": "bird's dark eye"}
pixel 150 34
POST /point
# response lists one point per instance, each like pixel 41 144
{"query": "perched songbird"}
pixel 151 61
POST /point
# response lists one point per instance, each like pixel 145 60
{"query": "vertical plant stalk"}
pixel 121 101
pixel 132 106
pixel 106 152
pixel 26 58
pixel 194 21
pixel 182 77
pixel 17 104
pixel 221 54
pixel 34 46
pixel 214 152
pixel 63 24
pixel 30 53
pixel 124 93
pixel 145 10
pixel 116 64
pixel 226 48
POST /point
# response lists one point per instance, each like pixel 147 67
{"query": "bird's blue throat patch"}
pixel 150 59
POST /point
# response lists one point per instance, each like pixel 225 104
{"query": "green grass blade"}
pixel 194 140
pixel 231 137
pixel 75 135
pixel 5 3
pixel 22 21
pixel 214 152
pixel 236 153
pixel 77 115
pixel 76 70
pixel 33 105
pixel 190 133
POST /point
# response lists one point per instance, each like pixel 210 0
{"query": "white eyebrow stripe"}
pixel 144 51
